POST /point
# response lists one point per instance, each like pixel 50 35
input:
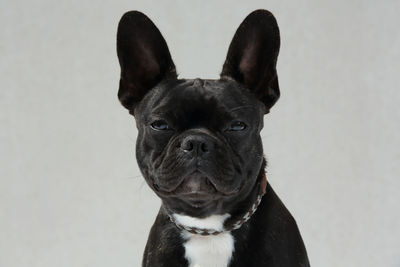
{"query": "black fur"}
pixel 199 146
pixel 269 238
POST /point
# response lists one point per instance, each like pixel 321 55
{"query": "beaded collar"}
pixel 236 224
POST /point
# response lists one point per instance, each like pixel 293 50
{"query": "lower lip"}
pixel 197 200
pixel 197 196
pixel 198 203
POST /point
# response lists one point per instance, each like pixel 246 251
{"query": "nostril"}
pixel 204 147
pixel 196 145
pixel 188 146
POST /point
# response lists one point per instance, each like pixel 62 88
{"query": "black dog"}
pixel 199 149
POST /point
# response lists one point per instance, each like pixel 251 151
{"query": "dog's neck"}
pixel 217 224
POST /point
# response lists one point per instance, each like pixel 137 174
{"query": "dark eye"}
pixel 237 126
pixel 159 125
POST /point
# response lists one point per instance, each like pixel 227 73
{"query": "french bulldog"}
pixel 199 149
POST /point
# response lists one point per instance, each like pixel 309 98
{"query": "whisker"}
pixel 265 136
pixel 134 177
pixel 131 138
pixel 142 184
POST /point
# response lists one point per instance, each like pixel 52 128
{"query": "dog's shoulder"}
pixel 165 244
pixel 271 237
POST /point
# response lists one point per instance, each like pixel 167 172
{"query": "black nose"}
pixel 197 145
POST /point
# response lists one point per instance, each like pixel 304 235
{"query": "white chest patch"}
pixel 207 251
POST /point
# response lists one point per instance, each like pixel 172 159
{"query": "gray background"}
pixel 70 190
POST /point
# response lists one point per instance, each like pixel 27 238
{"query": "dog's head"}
pixel 199 146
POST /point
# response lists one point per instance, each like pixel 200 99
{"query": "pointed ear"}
pixel 144 58
pixel 252 56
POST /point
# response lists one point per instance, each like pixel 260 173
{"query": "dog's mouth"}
pixel 197 190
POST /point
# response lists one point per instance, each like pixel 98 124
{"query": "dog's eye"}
pixel 237 126
pixel 159 125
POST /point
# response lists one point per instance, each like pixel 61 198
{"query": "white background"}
pixel 70 190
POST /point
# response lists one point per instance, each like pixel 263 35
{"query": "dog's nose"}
pixel 197 145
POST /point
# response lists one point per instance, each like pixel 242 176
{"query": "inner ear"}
pixel 143 56
pixel 252 56
pixel 248 66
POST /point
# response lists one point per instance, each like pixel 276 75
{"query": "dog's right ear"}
pixel 144 58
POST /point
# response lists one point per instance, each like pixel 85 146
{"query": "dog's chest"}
pixel 207 251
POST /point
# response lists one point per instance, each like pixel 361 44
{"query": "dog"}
pixel 199 149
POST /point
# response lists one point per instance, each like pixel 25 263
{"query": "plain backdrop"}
pixel 71 193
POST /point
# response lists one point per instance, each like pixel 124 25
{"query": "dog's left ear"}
pixel 252 56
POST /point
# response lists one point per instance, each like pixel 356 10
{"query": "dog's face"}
pixel 199 145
